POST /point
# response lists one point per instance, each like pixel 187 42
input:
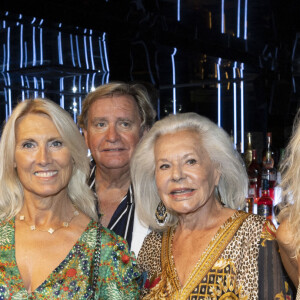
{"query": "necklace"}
pixel 51 230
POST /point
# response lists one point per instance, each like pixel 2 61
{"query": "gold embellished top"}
pixel 240 262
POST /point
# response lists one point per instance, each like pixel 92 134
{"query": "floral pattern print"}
pixel 117 278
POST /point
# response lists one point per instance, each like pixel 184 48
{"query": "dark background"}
pixel 141 36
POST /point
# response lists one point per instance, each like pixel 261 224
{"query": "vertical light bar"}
pixel 87 82
pixel 4 57
pixel 43 87
pixel 174 80
pixel 222 17
pixel 91 50
pixel 21 46
pixel 219 93
pixel 242 108
pixel 23 86
pixel 61 89
pixel 33 47
pixel 36 87
pixel 8 49
pixel 85 50
pixel 72 50
pixel 9 94
pixel 93 82
pixel 28 86
pixel 79 89
pixel 59 43
pixel 101 54
pixel 246 20
pixel 25 54
pixel 41 47
pixel 238 29
pixel 234 106
pixel 105 52
pixel 77 49
pixel 178 10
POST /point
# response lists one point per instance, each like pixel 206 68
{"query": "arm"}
pixel 284 238
pixel 273 281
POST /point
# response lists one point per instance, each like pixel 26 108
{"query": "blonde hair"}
pixel 11 189
pixel 137 91
pixel 233 183
pixel 290 170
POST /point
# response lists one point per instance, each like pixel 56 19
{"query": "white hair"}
pixel 233 184
pixel 11 189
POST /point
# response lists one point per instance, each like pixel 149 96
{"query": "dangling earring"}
pixel 161 214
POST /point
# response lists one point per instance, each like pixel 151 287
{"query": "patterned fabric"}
pixel 72 278
pixel 241 262
pixel 122 220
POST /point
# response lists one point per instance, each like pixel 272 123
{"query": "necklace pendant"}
pixel 51 230
pixel 32 227
pixel 65 224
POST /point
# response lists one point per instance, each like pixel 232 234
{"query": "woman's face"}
pixel 185 175
pixel 42 160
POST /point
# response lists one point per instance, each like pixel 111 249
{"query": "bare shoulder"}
pixel 284 233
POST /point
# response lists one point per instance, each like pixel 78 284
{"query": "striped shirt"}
pixel 122 220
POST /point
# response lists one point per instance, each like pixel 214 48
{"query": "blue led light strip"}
pixel 8 49
pixel 60 55
pixel 242 108
pixel 61 89
pixel 178 10
pixel 105 52
pixel 219 92
pixel 85 52
pixel 72 50
pixel 234 106
pixel 174 80
pixel 91 50
pixel 33 47
pixel 77 50
pixel 41 47
pixel 21 46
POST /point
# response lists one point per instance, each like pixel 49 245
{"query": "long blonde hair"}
pixel 11 189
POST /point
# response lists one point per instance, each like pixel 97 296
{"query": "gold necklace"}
pixel 51 230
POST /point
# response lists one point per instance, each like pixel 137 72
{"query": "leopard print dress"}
pixel 247 265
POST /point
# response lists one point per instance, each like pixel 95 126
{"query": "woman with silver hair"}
pixel 190 185
pixel 51 243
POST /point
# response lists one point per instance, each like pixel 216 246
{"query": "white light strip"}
pixel 87 82
pixel 61 89
pixel 28 86
pixel 178 10
pixel 105 52
pixel 234 107
pixel 77 50
pixel 33 47
pixel 222 17
pixel 85 52
pixel 101 54
pixel 9 94
pixel 25 54
pixel 93 81
pixel 36 87
pixel 245 19
pixel 33 20
pixel 60 57
pixel 174 80
pixel 91 50
pixel 219 93
pixel 22 83
pixel 41 47
pixel 242 108
pixel 4 58
pixel 8 49
pixel 42 87
pixel 21 46
pixel 72 50
pixel 238 30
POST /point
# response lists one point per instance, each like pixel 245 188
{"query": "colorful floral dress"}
pixel 241 262
pixel 72 279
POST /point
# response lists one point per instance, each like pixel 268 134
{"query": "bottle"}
pixel 265 203
pixel 269 173
pixel 248 151
pixel 249 204
pixel 268 148
pixel 254 175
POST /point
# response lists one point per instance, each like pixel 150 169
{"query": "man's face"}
pixel 113 131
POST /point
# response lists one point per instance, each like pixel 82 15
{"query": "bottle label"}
pixel 264 211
